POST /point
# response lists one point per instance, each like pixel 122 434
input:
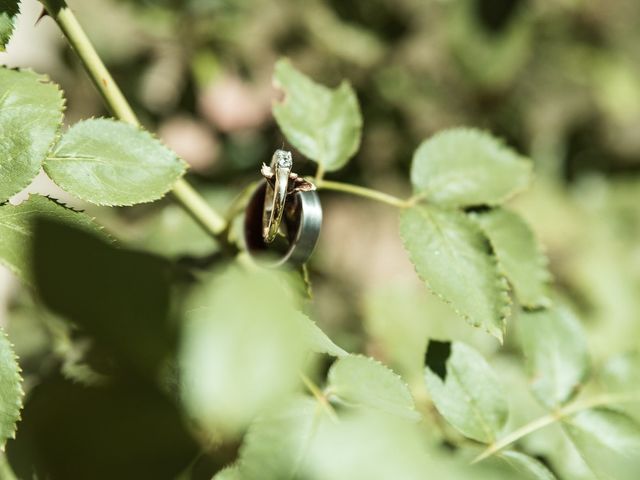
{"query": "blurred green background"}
pixel 559 80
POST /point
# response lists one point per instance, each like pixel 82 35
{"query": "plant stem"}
pixel 320 397
pixel 186 195
pixel 550 418
pixel 363 192
pixel 319 173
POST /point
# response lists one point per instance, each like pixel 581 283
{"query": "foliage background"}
pixel 560 81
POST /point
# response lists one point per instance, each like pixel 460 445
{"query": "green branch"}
pixel 186 195
pixel 363 192
pixel 552 417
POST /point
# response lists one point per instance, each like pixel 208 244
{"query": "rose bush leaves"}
pixel 463 168
pixel 466 167
pixel 465 390
pixel 30 117
pixel 519 256
pixel 107 162
pixel 451 253
pixel 10 390
pixel 323 123
pixel 9 10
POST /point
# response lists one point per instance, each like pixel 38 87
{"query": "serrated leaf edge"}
pixel 502 284
pixel 332 393
pixel 141 129
pixel 43 78
pixel 502 145
pixel 20 403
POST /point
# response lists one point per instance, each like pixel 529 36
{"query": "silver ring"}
pixel 302 218
pixel 276 195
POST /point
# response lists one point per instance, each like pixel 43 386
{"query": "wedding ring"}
pixel 276 195
pixel 301 219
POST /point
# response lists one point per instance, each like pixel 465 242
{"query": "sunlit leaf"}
pixel 241 350
pixel 453 257
pixel 465 390
pixel 9 10
pixel 621 375
pixel 608 441
pixel 16 229
pixel 519 255
pixel 277 442
pixel 10 390
pixel 323 123
pixel 30 117
pixel 369 446
pixel 107 162
pixel 361 381
pixel 556 354
pixel 467 167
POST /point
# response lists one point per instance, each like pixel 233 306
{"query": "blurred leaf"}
pixel 467 167
pixel 608 441
pixel 277 442
pixel 120 298
pixel 519 255
pixel 465 390
pixel 125 431
pixel 317 340
pixel 10 390
pixel 30 118
pixel 369 446
pixel 526 467
pixel 556 354
pixel 9 10
pixel 621 374
pixel 360 381
pixel 241 349
pixel 107 162
pixel 323 123
pixel 453 257
pixel 16 229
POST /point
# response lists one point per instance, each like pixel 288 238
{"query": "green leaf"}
pixel 323 123
pixel 465 390
pixel 556 354
pixel 241 351
pixel 16 229
pixel 467 167
pixel 317 340
pixel 11 393
pixel 30 117
pixel 621 375
pixel 277 441
pixel 526 467
pixel 107 162
pixel 370 445
pixel 9 10
pixel 608 441
pixel 361 381
pixel 519 255
pixel 453 257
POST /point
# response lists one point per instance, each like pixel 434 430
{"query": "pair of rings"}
pixel 283 216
